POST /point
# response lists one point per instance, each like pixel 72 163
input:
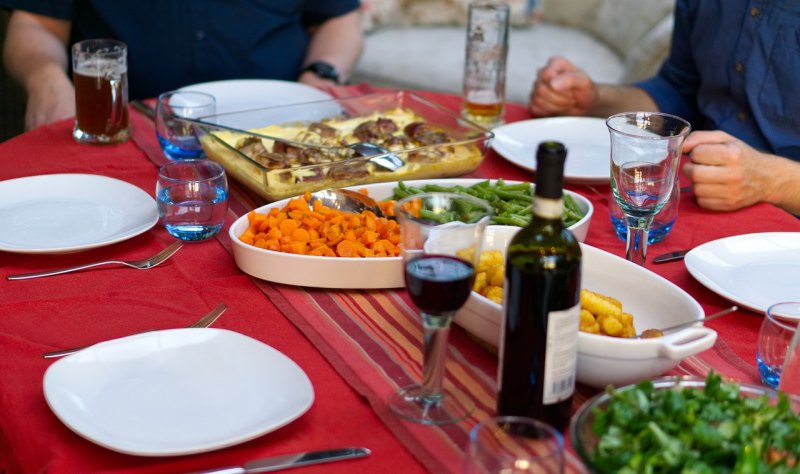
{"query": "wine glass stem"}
pixel 437 332
pixel 636 245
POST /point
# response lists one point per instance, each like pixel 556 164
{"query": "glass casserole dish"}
pixel 283 151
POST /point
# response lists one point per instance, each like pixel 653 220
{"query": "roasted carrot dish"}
pixel 320 231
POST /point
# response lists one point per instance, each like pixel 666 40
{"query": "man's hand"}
pixel 561 88
pixel 728 174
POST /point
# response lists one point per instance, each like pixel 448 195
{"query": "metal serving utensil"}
pixel 380 156
pixel 651 333
pixel 347 201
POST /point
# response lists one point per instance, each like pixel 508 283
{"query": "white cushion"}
pixel 432 58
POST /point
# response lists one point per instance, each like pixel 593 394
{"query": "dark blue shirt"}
pixel 735 66
pixel 173 43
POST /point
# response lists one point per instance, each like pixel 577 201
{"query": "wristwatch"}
pixel 323 70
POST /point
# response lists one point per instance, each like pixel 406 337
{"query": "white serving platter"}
pixel 60 213
pixel 586 139
pixel 653 301
pixel 176 392
pixel 347 273
pixel 752 270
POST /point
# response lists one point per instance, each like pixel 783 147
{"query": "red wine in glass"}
pixel 439 284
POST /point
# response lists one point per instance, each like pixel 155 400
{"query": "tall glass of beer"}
pixel 100 75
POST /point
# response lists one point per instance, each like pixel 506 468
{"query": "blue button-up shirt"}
pixel 735 66
pixel 173 43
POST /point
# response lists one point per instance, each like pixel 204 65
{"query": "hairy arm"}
pixel 35 55
pixel 338 41
pixel 728 174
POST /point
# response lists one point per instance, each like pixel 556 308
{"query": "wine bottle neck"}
pixel 547 208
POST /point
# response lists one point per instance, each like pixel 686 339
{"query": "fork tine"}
pixel 163 255
pixel 209 319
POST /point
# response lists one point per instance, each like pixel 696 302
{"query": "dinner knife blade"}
pixel 287 461
pixel 669 257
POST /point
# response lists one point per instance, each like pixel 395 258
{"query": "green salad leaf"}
pixel 511 202
pixel 714 429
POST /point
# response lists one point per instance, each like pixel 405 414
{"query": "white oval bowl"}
pixel 349 273
pixel 654 302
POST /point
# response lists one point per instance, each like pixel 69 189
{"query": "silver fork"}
pixel 142 264
pixel 203 322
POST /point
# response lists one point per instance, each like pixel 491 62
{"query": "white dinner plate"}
pixel 175 392
pixel 246 94
pixel 341 272
pixel 58 213
pixel 586 138
pixel 752 270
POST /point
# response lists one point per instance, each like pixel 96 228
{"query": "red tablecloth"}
pixel 356 346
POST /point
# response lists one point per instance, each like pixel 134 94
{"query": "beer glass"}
pixel 100 75
pixel 485 64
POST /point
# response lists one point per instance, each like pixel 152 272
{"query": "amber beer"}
pixel 100 77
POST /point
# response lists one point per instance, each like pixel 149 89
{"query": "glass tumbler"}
pixel 177 137
pixel 663 221
pixel 192 197
pixel 774 338
pixel 514 444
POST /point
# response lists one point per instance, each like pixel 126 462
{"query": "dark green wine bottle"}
pixel 539 341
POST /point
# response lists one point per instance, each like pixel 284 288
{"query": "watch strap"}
pixel 323 70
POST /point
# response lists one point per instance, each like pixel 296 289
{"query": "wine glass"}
pixel 442 235
pixel 645 154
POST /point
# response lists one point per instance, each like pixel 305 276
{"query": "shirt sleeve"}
pixel 318 11
pixel 674 88
pixel 61 9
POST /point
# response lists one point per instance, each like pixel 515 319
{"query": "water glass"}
pixel 645 154
pixel 774 338
pixel 179 138
pixel 485 63
pixel 790 374
pixel 514 445
pixel 192 197
pixel 100 75
pixel 662 222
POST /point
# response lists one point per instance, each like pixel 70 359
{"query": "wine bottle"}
pixel 539 341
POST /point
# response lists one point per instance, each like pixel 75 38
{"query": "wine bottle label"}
pixel 548 208
pixel 561 357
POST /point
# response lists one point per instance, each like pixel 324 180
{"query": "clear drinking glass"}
pixel 779 325
pixel 100 75
pixel 485 63
pixel 177 137
pixel 513 444
pixel 645 153
pixel 442 235
pixel 192 197
pixel 662 224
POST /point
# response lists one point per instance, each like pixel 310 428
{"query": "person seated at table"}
pixel 173 44
pixel 733 72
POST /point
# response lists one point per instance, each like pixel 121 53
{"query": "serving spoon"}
pixel 651 333
pixel 380 155
pixel 347 201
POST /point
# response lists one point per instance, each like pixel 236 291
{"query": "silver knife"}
pixel 287 461
pixel 668 257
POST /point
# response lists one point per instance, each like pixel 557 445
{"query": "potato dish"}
pixel 600 314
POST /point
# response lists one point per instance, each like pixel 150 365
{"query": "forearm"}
pixel 782 186
pixel 35 48
pixel 338 41
pixel 612 99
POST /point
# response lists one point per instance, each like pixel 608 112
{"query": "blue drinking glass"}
pixel 178 138
pixel 192 197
